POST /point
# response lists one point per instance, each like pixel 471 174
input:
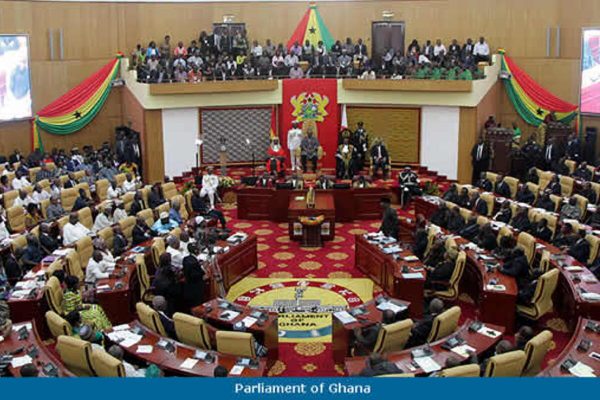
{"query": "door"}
pixel 384 35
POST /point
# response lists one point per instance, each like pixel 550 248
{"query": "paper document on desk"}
pixel 102 288
pixel 574 268
pixel 236 370
pixel 411 258
pixel 392 250
pixel 539 246
pixel 18 327
pixel 249 321
pixel 489 332
pixel 189 363
pixel 18 362
pixel 122 327
pixel 229 315
pixel 463 350
pixel 496 288
pixel 144 349
pixel 427 364
pixel 388 305
pixel 591 296
pixel 345 317
pixel 413 275
pixel 131 340
pixel 582 370
pixel 20 294
pixel 485 257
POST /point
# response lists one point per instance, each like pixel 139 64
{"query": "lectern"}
pixel 500 140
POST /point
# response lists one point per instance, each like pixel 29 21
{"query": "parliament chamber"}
pixel 258 189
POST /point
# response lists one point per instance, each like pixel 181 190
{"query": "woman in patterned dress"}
pixel 91 314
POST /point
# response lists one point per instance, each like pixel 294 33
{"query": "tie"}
pixel 548 152
pixel 479 151
pixel 379 151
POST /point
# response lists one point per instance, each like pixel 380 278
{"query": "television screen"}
pixel 15 85
pixel 590 72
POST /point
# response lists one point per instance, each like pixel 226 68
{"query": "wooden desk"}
pixel 324 205
pixel 265 333
pixel 12 343
pixel 388 274
pixel 240 261
pixel 481 343
pixel 171 362
pixel 571 352
pixel 343 335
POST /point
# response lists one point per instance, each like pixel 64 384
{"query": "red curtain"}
pixel 310 90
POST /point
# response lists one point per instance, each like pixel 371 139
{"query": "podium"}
pixel 559 132
pixel 500 140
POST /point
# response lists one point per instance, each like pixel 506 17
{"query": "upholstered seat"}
pixel 73 265
pixel 582 203
pixel 33 173
pixel 85 249
pixel 594 242
pixel 143 278
pixel 451 292
pixel 557 200
pixel 533 188
pixel 183 212
pixel 158 248
pixel 15 217
pixel 127 226
pixel 19 242
pixel 68 197
pixel 102 186
pixel 513 184
pixel 58 325
pixel 85 217
pixel 106 365
pixel 466 214
pixel 127 200
pixel 462 371
pixel 76 355
pixel 504 231
pixel 566 186
pixel 54 295
pixel 545 261
pixel 9 198
pixel 393 337
pixel 527 242
pixel 572 165
pixel 192 331
pixel 535 352
pixel 489 201
pixel 147 215
pixel 169 190
pixel 164 207
pixel 44 206
pixel 108 235
pixel 85 187
pixel 506 365
pixel 120 179
pixel 239 344
pixel 444 324
pixel 542 298
pixel 150 318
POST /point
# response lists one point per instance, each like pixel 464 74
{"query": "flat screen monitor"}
pixel 590 71
pixel 15 79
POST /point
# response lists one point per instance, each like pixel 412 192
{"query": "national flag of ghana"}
pixel 311 28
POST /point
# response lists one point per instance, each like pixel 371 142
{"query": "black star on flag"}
pixel 77 114
pixel 540 111
pixel 312 30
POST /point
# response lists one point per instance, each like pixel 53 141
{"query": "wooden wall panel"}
pixel 467 137
pixel 152 144
pixel 398 127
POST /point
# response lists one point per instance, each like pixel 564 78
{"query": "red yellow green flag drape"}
pixel 78 107
pixel 313 29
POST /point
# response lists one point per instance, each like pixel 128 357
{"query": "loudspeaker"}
pixel 589 152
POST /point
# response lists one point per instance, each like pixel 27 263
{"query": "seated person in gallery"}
pixel 276 160
pixel 504 214
pixel 589 193
pixel 580 250
pixel 309 150
pixel 409 185
pixel 541 230
pixel 296 181
pixel 582 172
pixel 365 338
pixel 380 158
pixel 323 183
pixel 361 182
pixel 345 159
pixel 266 180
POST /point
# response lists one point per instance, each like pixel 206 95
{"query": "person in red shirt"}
pixel 276 160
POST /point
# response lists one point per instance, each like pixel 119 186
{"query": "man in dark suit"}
pixel 566 237
pixel 541 231
pixel 524 195
pixel 47 242
pixel 551 155
pixel 389 222
pixel 377 365
pixel 471 229
pixel 480 156
pixel 194 285
pixel 82 201
pixel 484 183
pixel 486 239
pixel 544 202
pixel 478 205
pixel 582 172
pixel 160 305
pixel 323 183
pixel 15 157
pixel 141 232
pixel 365 338
pixel 521 220
pixel 420 331
pixel 442 272
pixel 119 241
pixel 589 193
pixel 379 158
pixel 455 221
pixel 581 249
pixel 138 203
pixel 71 182
pixel 574 147
pixel 501 188
pixel 516 265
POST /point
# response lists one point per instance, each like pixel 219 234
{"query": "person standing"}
pixel 360 140
pixel 480 155
pixel 210 183
pixel 389 222
pixel 294 140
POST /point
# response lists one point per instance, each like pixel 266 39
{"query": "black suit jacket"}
pixel 420 331
pixel 485 154
pixel 480 207
pixel 544 234
pixel 119 245
pixel 137 206
pixel 442 272
pixel 580 251
pixel 455 223
pixel 384 368
pixel 517 267
pixel 138 235
pixel 193 288
pixel 502 189
pixel 470 232
pixel 389 223
pixel 525 197
pixel 574 148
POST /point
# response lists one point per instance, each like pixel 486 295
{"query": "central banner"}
pixel 312 102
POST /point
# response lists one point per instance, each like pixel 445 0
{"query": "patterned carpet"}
pixel 280 259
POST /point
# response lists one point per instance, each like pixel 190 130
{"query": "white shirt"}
pixel 294 138
pixel 38 197
pixel 20 183
pixel 132 372
pixel 368 76
pixel 257 51
pixel 119 214
pixel 130 186
pixel 3 231
pixel 481 49
pixel 176 257
pixel 23 202
pixel 423 59
pixel 72 233
pixel 55 191
pixel 210 182
pixel 96 270
pixel 102 221
pixel 113 193
pixel 438 49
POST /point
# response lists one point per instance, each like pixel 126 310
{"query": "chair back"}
pixel 142 274
pixel 572 165
pixel 147 215
pixel 54 295
pixel 169 190
pixel 466 214
pixel 102 186
pixel 542 298
pixel 19 242
pixel 594 242
pixel 9 198
pixel 85 249
pixel 120 179
pixel 557 200
pixel 504 231
pixel 552 221
pixel 462 371
pixel 76 355
pixel 74 265
pixel 106 365
pixel 158 248
pixel 86 187
pixel 393 337
pixel 566 186
pixel 444 324
pixel 150 318
pixel 127 200
pixel 182 206
pixel 56 265
pixel 527 242
pixel 451 293
pixel 596 189
pixel 533 188
pixel 85 217
pixel 489 201
pixel 506 365
pixel 582 203
pixel 68 197
pixel 127 225
pixel 44 206
pixel 545 261
pixel 108 235
pixel 513 184
pixel 58 325
pixel 492 177
pixel 192 331
pixel 239 344
pixel 15 217
pixel 535 352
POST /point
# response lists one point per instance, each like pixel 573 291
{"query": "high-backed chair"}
pixel 85 217
pixel 106 365
pixel 566 186
pixel 491 176
pixel 44 184
pixel 533 188
pixel 545 261
pixel 127 200
pixel 164 207
pixel 62 221
pixel 545 178
pixel 56 265
pixel 19 242
pixel 158 247
pixel 450 243
pixel 527 242
pixel 143 278
pixel 182 206
pixel 44 206
pixel 430 239
pixel 572 165
pixel 58 325
pixel 73 265
pixel 127 225
pixel 76 355
pixel 192 331
pixel 504 231
pixel 33 174
pixel 15 217
pixel 466 214
pixel 239 344
pixel 147 215
pixel 594 242
pixel 393 337
pixel 462 371
pixel 102 186
pixel 557 200
pixel 582 203
pixel 541 302
pixel 9 198
pixel 535 352
pixel 513 184
pixel 451 292
pixel 552 221
pixel 120 179
pixel 489 201
pixel 596 189
pixel 188 200
pixel 68 197
pixel 169 190
pixel 444 324
pixel 481 220
pixel 150 318
pixel 78 175
pixel 85 187
pixel 54 295
pixel 176 232
pixel 145 192
pixel 108 235
pixel 85 249
pixel 505 365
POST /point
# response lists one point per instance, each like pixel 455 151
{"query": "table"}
pixel 324 205
pixel 481 343
pixel 573 353
pixel 271 204
pixel 171 362
pixel 311 234
pixel 44 357
pixel 389 274
pixel 266 333
pixel 343 334
pixel 240 261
